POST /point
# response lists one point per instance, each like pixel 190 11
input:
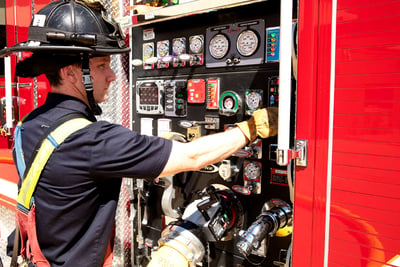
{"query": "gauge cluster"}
pixel 237 44
pixel 228 45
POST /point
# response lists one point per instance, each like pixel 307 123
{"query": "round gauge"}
pixel 179 46
pixel 162 49
pixel 253 100
pixel 247 43
pixel 196 44
pixel 229 103
pixel 252 171
pixel 219 46
pixel 148 51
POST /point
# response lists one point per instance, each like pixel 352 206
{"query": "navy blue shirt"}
pixel 77 194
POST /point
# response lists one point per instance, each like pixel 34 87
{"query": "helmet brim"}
pixel 30 46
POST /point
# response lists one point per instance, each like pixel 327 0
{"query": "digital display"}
pixel 148 95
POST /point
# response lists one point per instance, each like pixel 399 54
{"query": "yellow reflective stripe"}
pixel 59 135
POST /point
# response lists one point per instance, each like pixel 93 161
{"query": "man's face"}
pixel 102 75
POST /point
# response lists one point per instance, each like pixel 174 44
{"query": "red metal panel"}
pixel 367 148
pixel 10 22
pixel 382 25
pixel 369 201
pixel 373 135
pixel 378 188
pixel 361 251
pixel 8 173
pixel 367 174
pixel 370 39
pixel 365 207
pixel 353 3
pixel 23 19
pixel 347 228
pixel 358 53
pixel 370 246
pixel 361 11
pixel 307 72
pixel 368 66
pixel 363 124
pixel 312 113
pixel 374 215
pixel 369 107
pixel 350 259
pixel 365 161
pixel 368 80
pixel 368 94
pixel 7 202
pixel 369 121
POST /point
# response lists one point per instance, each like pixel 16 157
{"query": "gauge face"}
pixel 252 171
pixel 148 51
pixel 179 46
pixel 253 100
pixel 162 48
pixel 247 43
pixel 219 46
pixel 229 103
pixel 196 44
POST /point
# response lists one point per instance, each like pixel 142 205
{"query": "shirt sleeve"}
pixel 119 152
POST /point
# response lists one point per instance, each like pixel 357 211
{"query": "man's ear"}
pixel 69 73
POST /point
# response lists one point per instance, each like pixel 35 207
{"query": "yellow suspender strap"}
pixel 55 138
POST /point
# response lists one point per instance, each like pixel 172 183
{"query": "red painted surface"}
pixel 312 125
pixel 9 173
pixel 18 18
pixel 365 186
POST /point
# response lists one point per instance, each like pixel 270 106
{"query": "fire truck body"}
pixel 343 133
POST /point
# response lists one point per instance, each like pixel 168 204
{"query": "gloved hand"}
pixel 263 123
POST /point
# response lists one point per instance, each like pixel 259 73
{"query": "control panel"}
pixel 199 75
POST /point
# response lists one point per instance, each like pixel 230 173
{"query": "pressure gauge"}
pixel 219 46
pixel 148 50
pixel 247 43
pixel 179 46
pixel 252 171
pixel 163 48
pixel 253 101
pixel 229 103
pixel 196 44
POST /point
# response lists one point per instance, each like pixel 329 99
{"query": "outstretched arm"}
pixel 203 151
pixel 216 147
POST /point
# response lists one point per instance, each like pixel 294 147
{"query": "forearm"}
pixel 203 151
pixel 214 148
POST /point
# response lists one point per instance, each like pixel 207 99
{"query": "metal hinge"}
pixel 283 156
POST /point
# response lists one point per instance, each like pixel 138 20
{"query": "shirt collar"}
pixel 70 103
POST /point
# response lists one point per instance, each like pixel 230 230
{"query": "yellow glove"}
pixel 263 123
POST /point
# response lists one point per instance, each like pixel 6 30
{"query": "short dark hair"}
pixel 48 64
pixel 53 76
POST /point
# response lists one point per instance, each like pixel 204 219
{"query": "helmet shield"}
pixel 72 27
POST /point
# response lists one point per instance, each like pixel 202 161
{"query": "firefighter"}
pixel 69 216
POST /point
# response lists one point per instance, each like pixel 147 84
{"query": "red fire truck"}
pixel 328 183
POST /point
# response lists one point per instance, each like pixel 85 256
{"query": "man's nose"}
pixel 111 77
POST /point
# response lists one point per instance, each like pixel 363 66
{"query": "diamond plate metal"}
pixel 7 225
pixel 117 109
